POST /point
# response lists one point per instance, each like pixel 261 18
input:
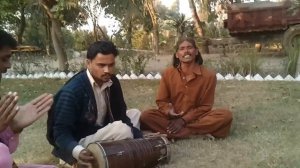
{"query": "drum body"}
pixel 133 153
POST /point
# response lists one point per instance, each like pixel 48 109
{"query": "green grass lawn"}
pixel 265 130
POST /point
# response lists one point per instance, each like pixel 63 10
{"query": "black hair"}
pixel 104 47
pixel 176 61
pixel 7 40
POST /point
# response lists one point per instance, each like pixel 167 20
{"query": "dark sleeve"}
pixel 136 133
pixel 121 107
pixel 64 121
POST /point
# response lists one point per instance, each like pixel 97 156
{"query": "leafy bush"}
pixel 82 40
pixel 133 61
pixel 245 63
pixel 140 40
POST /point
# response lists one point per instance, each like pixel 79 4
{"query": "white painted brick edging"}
pixel 150 76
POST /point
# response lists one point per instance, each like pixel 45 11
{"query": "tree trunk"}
pixel 58 45
pixel 156 39
pixel 104 35
pixel 56 35
pixel 48 36
pixel 196 19
pixel 46 24
pixel 204 10
pixel 129 35
pixel 298 67
pixel 21 26
pixel 153 14
pixel 95 29
pixel 179 34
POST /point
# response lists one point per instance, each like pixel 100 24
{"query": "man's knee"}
pixel 146 115
pixel 6 158
pixel 227 116
pixel 121 131
pixel 150 115
pixel 133 113
pixel 223 114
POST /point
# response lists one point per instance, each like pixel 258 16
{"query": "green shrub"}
pixel 244 63
pixel 250 63
pixel 133 61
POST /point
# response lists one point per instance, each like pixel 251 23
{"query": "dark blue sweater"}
pixel 74 112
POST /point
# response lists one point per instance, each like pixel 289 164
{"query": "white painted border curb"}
pixel 150 76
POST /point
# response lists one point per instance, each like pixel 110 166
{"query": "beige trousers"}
pixel 114 131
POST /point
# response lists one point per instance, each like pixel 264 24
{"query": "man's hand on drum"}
pixel 175 125
pixel 85 160
pixel 8 109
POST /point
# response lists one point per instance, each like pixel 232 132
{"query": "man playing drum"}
pixel 90 107
pixel 185 99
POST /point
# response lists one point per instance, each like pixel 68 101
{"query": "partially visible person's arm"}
pixel 8 110
pixel 10 139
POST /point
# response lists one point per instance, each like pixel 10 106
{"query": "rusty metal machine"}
pixel 263 20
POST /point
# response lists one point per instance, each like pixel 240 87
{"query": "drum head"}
pixel 99 153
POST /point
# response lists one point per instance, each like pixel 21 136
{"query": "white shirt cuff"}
pixel 76 151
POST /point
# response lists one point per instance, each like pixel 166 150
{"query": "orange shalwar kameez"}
pixel 194 96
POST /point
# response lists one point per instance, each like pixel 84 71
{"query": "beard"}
pixel 106 77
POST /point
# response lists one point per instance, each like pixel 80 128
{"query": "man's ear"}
pixel 87 62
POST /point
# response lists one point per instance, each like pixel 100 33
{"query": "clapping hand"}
pixel 8 109
pixel 31 112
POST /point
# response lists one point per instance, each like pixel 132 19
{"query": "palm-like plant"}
pixel 180 23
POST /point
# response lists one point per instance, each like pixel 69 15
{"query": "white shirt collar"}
pixel 93 82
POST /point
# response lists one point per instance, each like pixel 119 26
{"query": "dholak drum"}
pixel 131 153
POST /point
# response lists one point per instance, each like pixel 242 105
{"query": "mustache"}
pixel 107 74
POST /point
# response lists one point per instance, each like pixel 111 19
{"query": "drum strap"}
pixel 111 117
